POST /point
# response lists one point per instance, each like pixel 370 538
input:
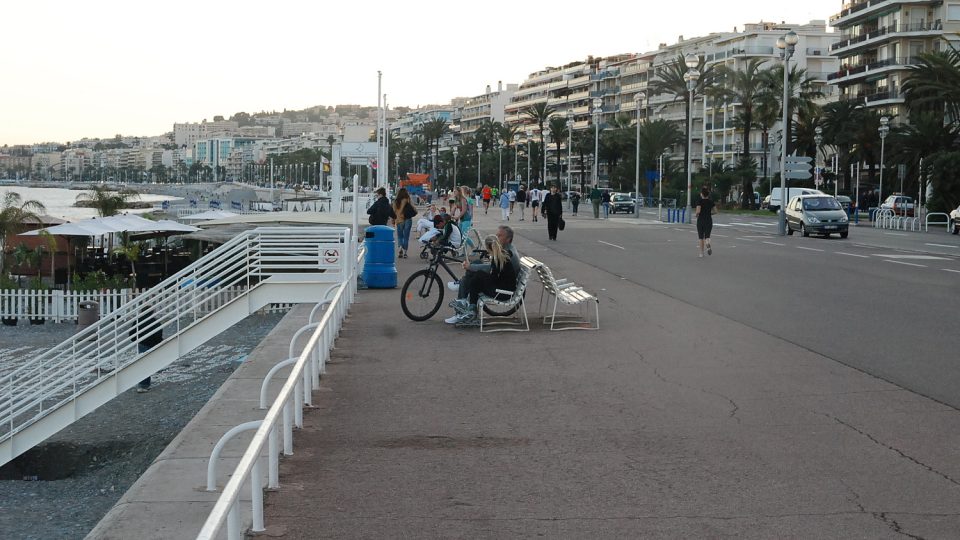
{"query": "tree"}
pixel 433 131
pixel 558 132
pixel 540 114
pixel 106 202
pixel 943 170
pixel 934 84
pixel 802 96
pixel 837 119
pixel 15 215
pixel 926 135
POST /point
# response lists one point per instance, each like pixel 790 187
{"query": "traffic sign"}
pixel 798 167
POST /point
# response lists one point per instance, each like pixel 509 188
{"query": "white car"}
pixel 955 219
pixel 901 205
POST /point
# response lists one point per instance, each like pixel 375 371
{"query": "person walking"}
pixel 148 333
pixel 575 201
pixel 487 194
pixel 504 206
pixel 704 212
pixel 605 202
pixel 595 197
pixel 553 210
pixel 380 211
pixel 404 212
pixel 522 201
pixel 534 197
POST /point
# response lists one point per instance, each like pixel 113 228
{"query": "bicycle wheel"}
pixel 422 295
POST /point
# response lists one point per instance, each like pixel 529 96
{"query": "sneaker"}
pixel 142 390
pixel 700 255
pixel 468 320
pixel 453 285
pixel 460 305
pixel 452 320
pixel 709 250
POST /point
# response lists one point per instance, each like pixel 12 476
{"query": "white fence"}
pixel 60 306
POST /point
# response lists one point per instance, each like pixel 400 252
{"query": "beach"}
pixel 106 451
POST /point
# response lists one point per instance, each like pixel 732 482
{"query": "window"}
pixel 953 12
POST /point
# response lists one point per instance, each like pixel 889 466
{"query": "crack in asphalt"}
pixel 901 453
pixel 734 407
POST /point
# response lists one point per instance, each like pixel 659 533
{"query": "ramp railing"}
pixel 99 357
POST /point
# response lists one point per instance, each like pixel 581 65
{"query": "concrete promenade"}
pixel 670 422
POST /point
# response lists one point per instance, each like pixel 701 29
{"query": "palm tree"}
pixel 670 81
pixel 925 136
pixel 106 202
pixel 582 145
pixel 934 84
pixel 15 214
pixel 558 132
pixel 540 114
pixel 837 119
pixel 802 94
pixel 433 131
pixel 743 87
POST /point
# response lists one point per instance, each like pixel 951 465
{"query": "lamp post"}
pixel 500 165
pixel 597 110
pixel 708 151
pixel 660 184
pixel 546 133
pixel 818 140
pixel 690 77
pixel 454 166
pixel 529 136
pixel 884 130
pixel 479 149
pixel 787 43
pixel 638 100
pixel 569 148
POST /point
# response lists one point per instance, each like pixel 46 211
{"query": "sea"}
pixel 59 202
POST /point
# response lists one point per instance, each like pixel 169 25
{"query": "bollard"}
pixel 89 313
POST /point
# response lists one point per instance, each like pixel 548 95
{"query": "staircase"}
pixel 271 265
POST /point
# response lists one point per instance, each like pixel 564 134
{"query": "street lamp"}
pixel 660 183
pixel 690 77
pixel 597 110
pixel 787 43
pixel 454 166
pixel 569 148
pixel 479 149
pixel 884 130
pixel 818 140
pixel 529 136
pixel 708 150
pixel 638 99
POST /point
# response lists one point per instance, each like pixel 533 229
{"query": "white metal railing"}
pixel 59 376
pixel 946 221
pixel 285 411
pixel 59 306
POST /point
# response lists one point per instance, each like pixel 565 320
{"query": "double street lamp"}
pixel 638 99
pixel 529 136
pixel 787 44
pixel 690 77
pixel 454 166
pixel 479 149
pixel 569 148
pixel 546 133
pixel 884 130
pixel 597 110
pixel 817 141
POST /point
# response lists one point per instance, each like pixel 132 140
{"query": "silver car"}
pixel 816 214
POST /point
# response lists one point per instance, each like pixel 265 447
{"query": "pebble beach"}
pixel 112 446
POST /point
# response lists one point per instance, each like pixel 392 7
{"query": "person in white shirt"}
pixel 512 196
pixel 534 196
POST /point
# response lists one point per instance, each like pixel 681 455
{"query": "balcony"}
pixel 876 98
pixel 863 40
pixel 857 10
pixel 845 75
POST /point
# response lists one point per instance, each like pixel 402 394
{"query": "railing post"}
pixel 273 457
pixel 233 521
pixel 256 496
pixel 298 404
pixel 287 429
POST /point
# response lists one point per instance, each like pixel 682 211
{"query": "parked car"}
pixel 621 202
pixel 816 214
pixel 844 201
pixel 955 219
pixel 900 204
pixel 774 204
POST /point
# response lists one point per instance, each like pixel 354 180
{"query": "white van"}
pixel 775 197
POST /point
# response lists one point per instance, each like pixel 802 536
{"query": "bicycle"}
pixel 422 293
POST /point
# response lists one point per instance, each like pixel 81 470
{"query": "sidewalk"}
pixel 668 422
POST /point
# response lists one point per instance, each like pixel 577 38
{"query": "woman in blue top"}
pixel 465 201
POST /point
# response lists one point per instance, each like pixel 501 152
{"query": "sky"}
pixel 106 67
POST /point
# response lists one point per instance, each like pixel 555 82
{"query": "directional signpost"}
pixel 798 168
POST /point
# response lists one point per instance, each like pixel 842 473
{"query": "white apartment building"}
pixel 566 88
pixel 879 41
pixel 487 107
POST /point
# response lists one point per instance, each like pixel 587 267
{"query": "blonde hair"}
pixel 498 256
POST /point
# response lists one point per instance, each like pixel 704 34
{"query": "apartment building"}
pixel 566 88
pixel 880 39
pixel 487 107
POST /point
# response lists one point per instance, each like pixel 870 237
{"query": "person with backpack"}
pixel 380 211
pixel 404 211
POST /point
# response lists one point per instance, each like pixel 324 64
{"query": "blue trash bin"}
pixel 379 266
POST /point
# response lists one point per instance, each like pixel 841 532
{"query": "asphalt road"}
pixel 884 302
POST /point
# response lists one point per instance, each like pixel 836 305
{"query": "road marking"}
pixel 852 255
pixel 774 244
pixel 912 257
pixel 895 234
pixel 764 236
pixel 943 245
pixel 613 245
pixel 949 270
pixel 906 263
pixel 747 239
pixel 721 236
pixel 810 249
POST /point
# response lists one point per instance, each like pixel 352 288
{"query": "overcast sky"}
pixel 103 67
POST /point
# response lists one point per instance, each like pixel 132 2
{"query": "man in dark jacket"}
pixel 553 210
pixel 380 211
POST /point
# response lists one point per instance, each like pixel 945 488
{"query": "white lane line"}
pixel 746 239
pixel 852 255
pixel 810 249
pixel 949 270
pixel 943 245
pixel 613 245
pixel 721 236
pixel 906 263
pixel 762 236
pixel 895 234
pixel 774 244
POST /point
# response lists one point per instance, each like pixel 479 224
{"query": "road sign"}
pixel 798 167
